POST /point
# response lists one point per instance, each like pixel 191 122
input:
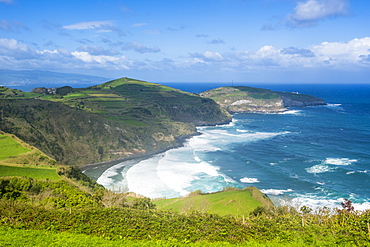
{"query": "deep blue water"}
pixel 315 156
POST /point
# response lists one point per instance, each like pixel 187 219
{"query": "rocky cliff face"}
pixel 300 100
pixel 249 99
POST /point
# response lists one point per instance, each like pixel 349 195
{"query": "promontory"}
pixel 257 100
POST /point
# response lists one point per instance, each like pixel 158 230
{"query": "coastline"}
pixel 107 164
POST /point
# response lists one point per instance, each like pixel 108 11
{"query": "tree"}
pixel 64 90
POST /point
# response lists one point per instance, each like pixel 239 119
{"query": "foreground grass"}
pixel 37 238
pixel 127 227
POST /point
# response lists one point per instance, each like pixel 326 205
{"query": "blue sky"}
pixel 272 41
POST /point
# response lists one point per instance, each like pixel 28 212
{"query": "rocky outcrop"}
pixel 300 100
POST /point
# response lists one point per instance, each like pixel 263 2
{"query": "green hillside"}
pixel 231 201
pixel 17 158
pixel 117 119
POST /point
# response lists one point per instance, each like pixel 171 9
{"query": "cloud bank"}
pixel 310 12
pixel 352 55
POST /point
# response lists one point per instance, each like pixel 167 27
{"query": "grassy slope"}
pixel 17 158
pixel 233 202
pixel 31 172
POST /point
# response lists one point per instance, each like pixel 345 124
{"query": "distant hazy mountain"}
pixel 27 77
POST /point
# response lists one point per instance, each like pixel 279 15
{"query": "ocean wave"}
pixel 318 203
pixel 275 192
pixel 333 105
pixel 106 179
pixel 291 112
pixel 340 161
pixel 175 173
pixel 319 169
pixel 243 131
pixel 249 180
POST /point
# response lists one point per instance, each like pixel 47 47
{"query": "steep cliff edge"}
pixel 250 99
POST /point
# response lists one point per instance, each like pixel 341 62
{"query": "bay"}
pixel 313 156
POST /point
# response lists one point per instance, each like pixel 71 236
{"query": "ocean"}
pixel 313 156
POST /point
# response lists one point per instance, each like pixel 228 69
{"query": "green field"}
pixel 10 147
pixel 31 172
pixel 19 159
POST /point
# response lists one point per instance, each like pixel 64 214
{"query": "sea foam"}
pixel 340 161
pixel 275 192
pixel 319 169
pixel 249 180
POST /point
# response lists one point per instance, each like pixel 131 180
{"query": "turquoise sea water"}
pixel 315 156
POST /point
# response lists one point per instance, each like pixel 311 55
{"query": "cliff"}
pixel 250 99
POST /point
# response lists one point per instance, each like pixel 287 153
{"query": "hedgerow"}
pixel 278 226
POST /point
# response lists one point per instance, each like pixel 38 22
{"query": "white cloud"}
pixel 340 56
pixel 103 62
pixel 308 13
pixel 354 54
pixel 140 48
pixel 97 50
pixel 210 55
pixel 99 26
pixel 343 54
pixel 15 54
pixel 13 48
pixel 90 25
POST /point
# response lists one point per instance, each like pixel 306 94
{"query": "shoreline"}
pixel 107 164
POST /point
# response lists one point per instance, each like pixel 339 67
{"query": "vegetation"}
pixel 10 147
pixel 17 158
pixel 16 152
pixel 75 210
pixel 31 172
pixel 231 201
pixel 282 226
